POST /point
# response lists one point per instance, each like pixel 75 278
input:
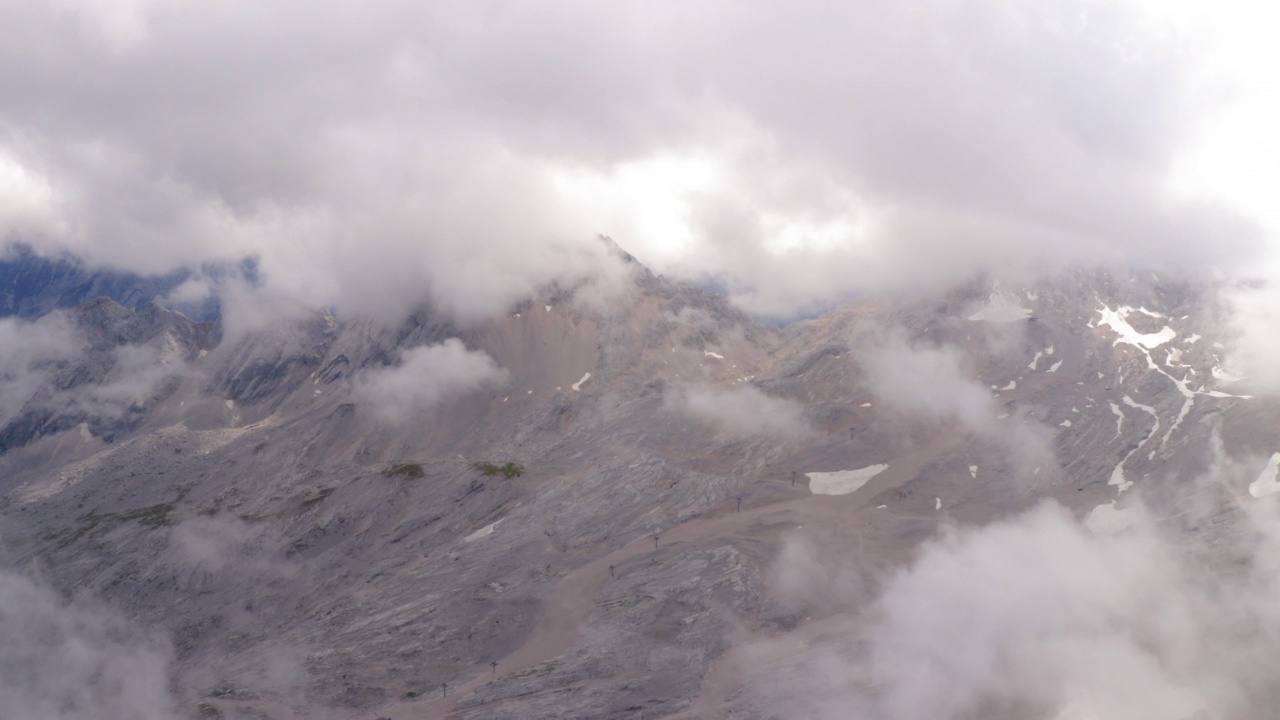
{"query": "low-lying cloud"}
pixel 44 363
pixel 137 373
pixel 1253 312
pixel 425 377
pixel 1170 615
pixel 29 356
pixel 1039 613
pixel 71 661
pixel 739 412
pixel 935 382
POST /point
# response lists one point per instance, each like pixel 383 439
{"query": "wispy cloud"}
pixel 73 661
pixel 739 412
pixel 425 377
pixel 937 382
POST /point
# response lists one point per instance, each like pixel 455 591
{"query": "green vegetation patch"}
pixel 507 471
pixel 409 471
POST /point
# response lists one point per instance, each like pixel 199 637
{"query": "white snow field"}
pixel 842 482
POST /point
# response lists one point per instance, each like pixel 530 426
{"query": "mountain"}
pixel 33 285
pixel 593 519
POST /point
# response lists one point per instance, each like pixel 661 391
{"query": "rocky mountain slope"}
pixel 32 285
pixel 603 524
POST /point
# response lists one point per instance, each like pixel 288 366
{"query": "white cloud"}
pixel 1253 344
pixel 739 412
pixel 1036 616
pixel 468 154
pixel 217 545
pixel 936 382
pixel 29 355
pixel 1038 612
pixel 426 377
pixel 195 290
pixel 137 373
pixel 72 661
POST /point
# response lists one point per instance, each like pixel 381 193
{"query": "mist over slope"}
pixel 941 382
pixel 644 502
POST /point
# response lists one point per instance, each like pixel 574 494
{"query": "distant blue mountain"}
pixel 32 285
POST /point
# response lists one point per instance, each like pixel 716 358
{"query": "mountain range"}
pixel 630 502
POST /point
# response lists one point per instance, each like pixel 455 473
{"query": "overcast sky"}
pixel 376 153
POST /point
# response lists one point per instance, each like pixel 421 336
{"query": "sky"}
pixel 373 155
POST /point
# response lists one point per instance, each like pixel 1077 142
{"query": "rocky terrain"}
pixel 649 505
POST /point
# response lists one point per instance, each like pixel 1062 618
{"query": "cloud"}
pixel 48 366
pixel 1252 344
pixel 935 382
pixel 1040 613
pixel 1035 615
pixel 137 373
pixel 215 545
pixel 29 356
pixel 740 412
pixel 469 154
pixel 72 661
pixel 931 380
pixel 426 377
pixel 190 292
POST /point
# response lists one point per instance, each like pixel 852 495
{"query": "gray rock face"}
pixel 32 286
pixel 109 369
pixel 305 556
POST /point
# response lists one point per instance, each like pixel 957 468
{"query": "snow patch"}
pixel 973 471
pixel 84 431
pixel 937 503
pixel 578 385
pixel 1220 394
pixel 231 404
pixel 1036 360
pixel 708 353
pixel 1115 319
pixel 1012 385
pixel 1065 423
pixel 1054 367
pixel 1117 475
pixel 842 482
pixel 483 532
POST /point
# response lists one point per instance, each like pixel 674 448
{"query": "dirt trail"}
pixel 569 606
